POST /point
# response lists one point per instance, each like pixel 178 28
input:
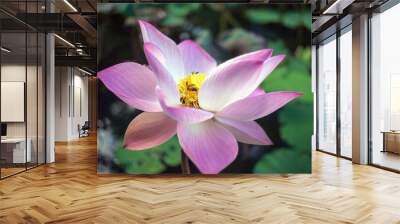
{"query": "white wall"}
pixel 71 102
pixel 61 103
pixel 33 126
pixel 16 73
pixel 80 110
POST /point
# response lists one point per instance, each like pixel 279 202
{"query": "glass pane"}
pixel 22 88
pixel 41 98
pixel 13 86
pixel 327 96
pixel 346 94
pixel 32 98
pixel 385 84
pixel 32 87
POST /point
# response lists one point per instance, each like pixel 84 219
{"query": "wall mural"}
pixel 204 88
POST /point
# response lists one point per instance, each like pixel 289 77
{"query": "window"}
pixel 385 89
pixel 22 88
pixel 346 92
pixel 327 96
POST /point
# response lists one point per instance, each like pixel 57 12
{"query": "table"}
pixel 13 150
pixel 391 141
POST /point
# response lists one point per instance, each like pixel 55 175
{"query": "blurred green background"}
pixel 225 31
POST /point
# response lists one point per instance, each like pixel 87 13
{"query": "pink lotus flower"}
pixel 184 92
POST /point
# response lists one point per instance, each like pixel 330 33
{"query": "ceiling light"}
pixel 329 9
pixel 79 51
pixel 84 71
pixel 65 41
pixel 70 5
pixel 337 7
pixel 5 50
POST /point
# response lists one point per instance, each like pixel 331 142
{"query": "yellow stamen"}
pixel 189 88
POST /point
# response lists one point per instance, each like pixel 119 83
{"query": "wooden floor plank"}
pixel 70 191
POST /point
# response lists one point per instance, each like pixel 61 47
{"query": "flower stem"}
pixel 185 163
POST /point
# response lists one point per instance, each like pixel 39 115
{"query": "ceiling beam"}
pixel 86 27
pixel 337 6
pixel 81 61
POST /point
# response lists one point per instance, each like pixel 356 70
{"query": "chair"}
pixel 84 130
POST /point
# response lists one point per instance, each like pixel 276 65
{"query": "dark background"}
pixel 225 31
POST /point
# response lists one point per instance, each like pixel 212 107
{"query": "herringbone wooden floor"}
pixel 70 191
